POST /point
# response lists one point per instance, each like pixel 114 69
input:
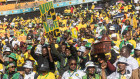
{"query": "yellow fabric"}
pixel 123 77
pixel 133 42
pixel 129 6
pixel 117 43
pixel 1 66
pixel 79 26
pixel 83 26
pixel 138 59
pixel 74 33
pixel 91 40
pixel 50 76
pixel 56 46
pixel 125 8
pixel 93 6
pixel 20 60
pixel 67 11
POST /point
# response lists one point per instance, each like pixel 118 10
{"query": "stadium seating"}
pixel 19 5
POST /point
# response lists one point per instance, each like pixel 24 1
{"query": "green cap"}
pixel 13 56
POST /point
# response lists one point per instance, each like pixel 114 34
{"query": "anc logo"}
pixel 76 74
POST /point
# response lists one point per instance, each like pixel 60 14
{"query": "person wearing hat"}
pixel 90 70
pixel 121 72
pixel 28 69
pixel 133 63
pixel 43 58
pixel 73 72
pixel 137 53
pixel 44 73
pixel 12 73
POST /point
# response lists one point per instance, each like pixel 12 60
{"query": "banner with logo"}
pixel 50 22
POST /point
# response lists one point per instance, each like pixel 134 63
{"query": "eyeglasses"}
pixel 73 64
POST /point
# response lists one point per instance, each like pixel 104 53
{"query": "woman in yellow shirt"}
pixel 44 73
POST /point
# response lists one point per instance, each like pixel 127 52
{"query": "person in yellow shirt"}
pixel 20 58
pixel 44 73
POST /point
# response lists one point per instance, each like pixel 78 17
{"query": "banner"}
pixel 2 0
pixel 49 19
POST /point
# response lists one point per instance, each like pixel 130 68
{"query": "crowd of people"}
pixel 26 52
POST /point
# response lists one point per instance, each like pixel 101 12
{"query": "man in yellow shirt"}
pixel 44 74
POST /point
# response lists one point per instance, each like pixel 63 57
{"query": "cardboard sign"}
pixel 50 22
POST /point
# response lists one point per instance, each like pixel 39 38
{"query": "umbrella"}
pixel 118 15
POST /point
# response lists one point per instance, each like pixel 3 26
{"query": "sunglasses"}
pixel 13 67
pixel 73 64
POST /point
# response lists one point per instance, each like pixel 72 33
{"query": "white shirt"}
pixel 76 75
pixel 116 75
pixel 29 76
pixel 15 42
pixel 132 63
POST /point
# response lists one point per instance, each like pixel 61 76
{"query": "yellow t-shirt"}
pixel 49 75
pixel 138 59
pixel 93 6
pixel 20 60
pixel 83 26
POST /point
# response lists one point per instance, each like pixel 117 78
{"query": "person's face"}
pixel 18 52
pixel 7 53
pixel 91 70
pixel 65 35
pixel 42 41
pixel 127 22
pixel 12 69
pixel 123 52
pixel 114 38
pixel 15 46
pixel 128 36
pixel 44 51
pixel 11 60
pixel 73 65
pixel 67 52
pixel 100 60
pixel 63 47
pixel 111 31
pixel 27 70
pixel 137 52
pixel 121 66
